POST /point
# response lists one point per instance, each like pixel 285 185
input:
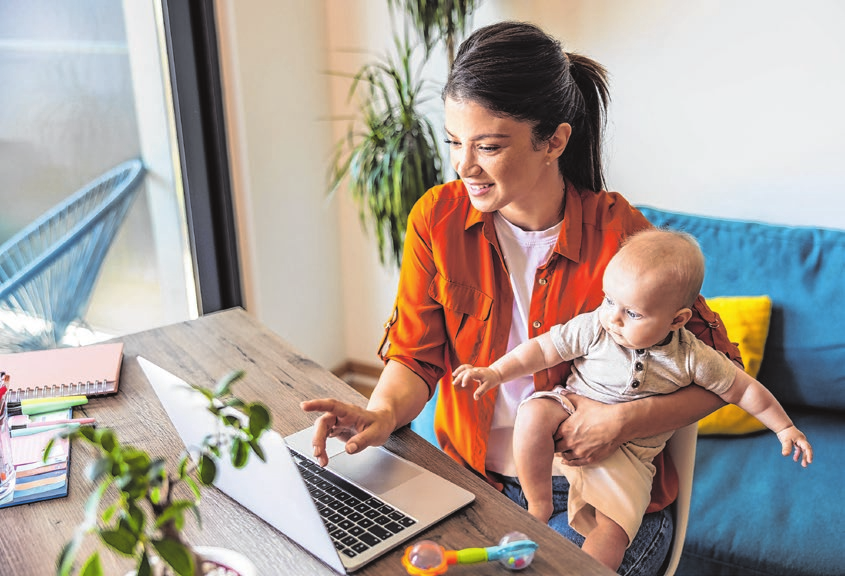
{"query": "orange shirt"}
pixel 455 304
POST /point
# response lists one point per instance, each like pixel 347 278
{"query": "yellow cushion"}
pixel 746 319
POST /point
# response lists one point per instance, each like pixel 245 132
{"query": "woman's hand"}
pixel 357 426
pixel 398 398
pixel 590 434
pixel 595 430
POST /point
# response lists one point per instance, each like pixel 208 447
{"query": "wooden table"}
pixel 201 351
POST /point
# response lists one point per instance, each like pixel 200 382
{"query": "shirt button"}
pixel 635 384
pixel 537 324
pixel 543 281
pixel 638 366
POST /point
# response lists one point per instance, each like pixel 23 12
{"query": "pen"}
pixel 41 407
pixel 79 421
pixel 40 429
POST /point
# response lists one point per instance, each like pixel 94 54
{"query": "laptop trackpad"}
pixel 374 469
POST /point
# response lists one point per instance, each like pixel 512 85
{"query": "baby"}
pixel 634 345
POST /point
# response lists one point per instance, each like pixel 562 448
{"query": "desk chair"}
pixel 48 269
pixel 681 449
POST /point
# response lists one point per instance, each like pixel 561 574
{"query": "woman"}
pixel 517 245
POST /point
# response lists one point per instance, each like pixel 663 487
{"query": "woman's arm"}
pixel 595 430
pixel 398 398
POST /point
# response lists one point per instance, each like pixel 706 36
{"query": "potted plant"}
pixel 438 19
pixel 391 157
pixel 394 158
pixel 145 504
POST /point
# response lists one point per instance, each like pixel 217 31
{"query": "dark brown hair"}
pixel 516 70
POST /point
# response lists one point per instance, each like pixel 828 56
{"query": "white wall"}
pixel 273 57
pixel 721 108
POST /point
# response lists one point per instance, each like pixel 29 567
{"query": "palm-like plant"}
pixel 394 159
pixel 435 19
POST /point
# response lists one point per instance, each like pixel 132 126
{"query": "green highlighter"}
pixel 39 429
pixel 41 406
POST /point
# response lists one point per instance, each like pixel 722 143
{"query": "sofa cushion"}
pixel 801 269
pixel 746 319
pixel 756 512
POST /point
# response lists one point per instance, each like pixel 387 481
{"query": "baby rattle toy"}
pixel 426 558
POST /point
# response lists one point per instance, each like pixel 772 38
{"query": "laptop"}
pixel 367 505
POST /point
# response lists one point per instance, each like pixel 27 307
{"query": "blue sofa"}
pixel 754 512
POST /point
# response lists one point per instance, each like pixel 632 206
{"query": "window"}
pixel 90 84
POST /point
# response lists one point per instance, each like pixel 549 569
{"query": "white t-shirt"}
pixel 524 252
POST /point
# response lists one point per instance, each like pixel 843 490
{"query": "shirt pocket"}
pixel 466 311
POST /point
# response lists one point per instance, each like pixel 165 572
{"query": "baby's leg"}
pixel 533 450
pixel 606 542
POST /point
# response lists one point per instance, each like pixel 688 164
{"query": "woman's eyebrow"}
pixel 481 136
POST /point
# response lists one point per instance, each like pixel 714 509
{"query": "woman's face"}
pixel 497 161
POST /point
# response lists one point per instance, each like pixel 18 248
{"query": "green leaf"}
pixel 109 512
pixel 120 539
pixel 137 460
pixel 234 402
pixel 259 451
pixel 193 486
pixel 207 470
pixel 259 419
pixel 183 466
pixel 225 384
pixel 175 513
pixel 135 518
pixel 176 555
pixel 48 448
pixel 89 433
pixel 239 452
pixel 92 566
pixel 106 439
pixel 144 568
pixel 204 391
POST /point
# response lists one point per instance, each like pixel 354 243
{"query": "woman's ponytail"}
pixel 581 162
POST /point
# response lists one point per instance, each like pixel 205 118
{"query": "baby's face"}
pixel 638 309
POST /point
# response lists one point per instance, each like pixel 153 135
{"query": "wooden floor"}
pixel 362 377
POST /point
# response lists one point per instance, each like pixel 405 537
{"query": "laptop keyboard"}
pixel 356 520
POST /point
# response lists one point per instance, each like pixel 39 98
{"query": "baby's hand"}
pixel 792 437
pixel 467 373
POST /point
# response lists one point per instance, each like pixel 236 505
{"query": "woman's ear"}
pixel 557 143
pixel 682 316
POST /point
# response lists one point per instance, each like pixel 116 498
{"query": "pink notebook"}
pixel 84 370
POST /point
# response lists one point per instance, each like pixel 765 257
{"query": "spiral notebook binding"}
pixel 89 388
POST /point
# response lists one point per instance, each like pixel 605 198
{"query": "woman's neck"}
pixel 539 210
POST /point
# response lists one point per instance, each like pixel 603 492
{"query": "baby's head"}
pixel 650 286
